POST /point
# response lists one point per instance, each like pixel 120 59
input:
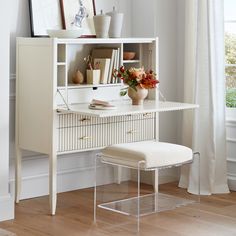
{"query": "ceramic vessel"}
pixel 129 55
pixel 93 76
pixel 137 96
pixel 102 24
pixel 78 78
pixel 116 23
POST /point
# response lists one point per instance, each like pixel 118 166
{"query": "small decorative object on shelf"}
pixel 128 55
pixel 138 82
pixel 102 24
pixel 78 78
pixel 116 23
pixel 93 72
pixel 93 76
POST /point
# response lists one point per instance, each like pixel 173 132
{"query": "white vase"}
pixel 116 23
pixel 137 95
pixel 101 25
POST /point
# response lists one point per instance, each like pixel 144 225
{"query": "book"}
pixel 114 65
pixel 103 64
pixel 105 53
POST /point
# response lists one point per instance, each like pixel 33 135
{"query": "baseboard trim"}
pixel 7 208
pixel 231 140
pixel 67 180
pixel 232 182
pixel 165 176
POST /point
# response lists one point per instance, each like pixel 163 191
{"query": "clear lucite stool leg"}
pixel 138 200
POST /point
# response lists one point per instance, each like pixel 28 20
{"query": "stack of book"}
pixel 106 59
pixel 101 105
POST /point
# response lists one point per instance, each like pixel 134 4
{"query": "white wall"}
pixel 6 200
pixel 142 18
pixel 153 18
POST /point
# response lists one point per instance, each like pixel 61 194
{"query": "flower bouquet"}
pixel 138 81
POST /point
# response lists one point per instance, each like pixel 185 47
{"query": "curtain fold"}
pixel 204 84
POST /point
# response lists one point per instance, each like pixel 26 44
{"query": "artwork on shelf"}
pixel 78 13
pixel 44 15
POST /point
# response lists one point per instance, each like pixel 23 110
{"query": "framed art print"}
pixel 44 15
pixel 78 13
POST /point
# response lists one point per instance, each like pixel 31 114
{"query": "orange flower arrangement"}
pixel 134 77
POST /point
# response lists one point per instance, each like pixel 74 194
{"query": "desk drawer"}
pixel 133 131
pixel 75 120
pixel 84 137
pixel 76 134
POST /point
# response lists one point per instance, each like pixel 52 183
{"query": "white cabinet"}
pixel 44 73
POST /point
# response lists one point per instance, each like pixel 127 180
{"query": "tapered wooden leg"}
pixel 53 182
pixel 18 176
pixel 117 174
pixel 155 181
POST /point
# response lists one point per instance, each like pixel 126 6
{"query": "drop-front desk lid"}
pixel 126 108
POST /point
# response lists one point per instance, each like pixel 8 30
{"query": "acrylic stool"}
pixel 145 156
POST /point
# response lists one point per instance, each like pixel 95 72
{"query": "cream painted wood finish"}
pixel 44 67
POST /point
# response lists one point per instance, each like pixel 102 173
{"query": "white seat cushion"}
pixel 155 154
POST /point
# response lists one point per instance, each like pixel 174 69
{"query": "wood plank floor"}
pixel 214 216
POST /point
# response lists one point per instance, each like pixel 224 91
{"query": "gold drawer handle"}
pixel 147 114
pixel 133 131
pixel 85 119
pixel 85 138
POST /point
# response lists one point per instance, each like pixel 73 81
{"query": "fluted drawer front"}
pixel 75 120
pixel 84 137
pixel 77 134
pixel 133 131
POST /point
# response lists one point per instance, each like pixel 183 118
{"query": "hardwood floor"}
pixel 214 216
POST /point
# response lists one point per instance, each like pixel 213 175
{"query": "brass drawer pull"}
pixel 147 114
pixel 85 138
pixel 85 119
pixel 133 131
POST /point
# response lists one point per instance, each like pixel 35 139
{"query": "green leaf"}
pixel 123 92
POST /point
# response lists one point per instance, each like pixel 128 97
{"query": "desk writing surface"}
pixel 126 108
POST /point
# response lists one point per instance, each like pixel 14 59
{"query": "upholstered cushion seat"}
pixel 153 154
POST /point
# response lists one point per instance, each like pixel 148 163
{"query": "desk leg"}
pixel 53 182
pixel 155 181
pixel 18 175
pixel 117 174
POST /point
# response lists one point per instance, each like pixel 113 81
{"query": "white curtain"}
pixel 204 84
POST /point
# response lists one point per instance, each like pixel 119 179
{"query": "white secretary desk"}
pixel 45 125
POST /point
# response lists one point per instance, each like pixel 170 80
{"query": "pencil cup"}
pixel 93 76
